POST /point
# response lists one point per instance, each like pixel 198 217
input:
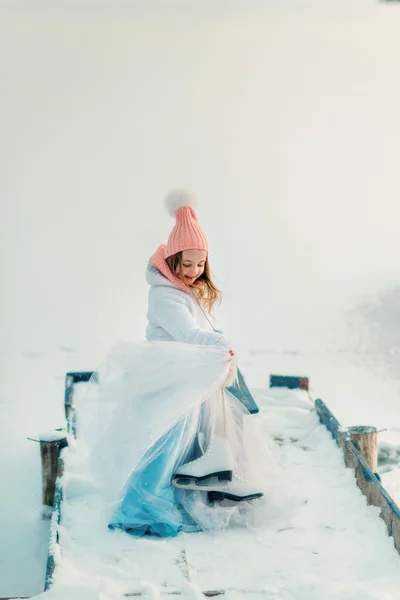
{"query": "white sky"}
pixel 282 116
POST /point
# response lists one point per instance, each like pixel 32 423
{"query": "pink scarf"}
pixel 158 261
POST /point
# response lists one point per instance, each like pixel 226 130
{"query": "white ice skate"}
pixel 205 472
pixel 237 490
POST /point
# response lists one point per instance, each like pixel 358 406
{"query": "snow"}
pixel 329 544
pixel 52 436
pixel 283 116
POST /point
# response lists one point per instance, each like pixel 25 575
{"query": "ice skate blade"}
pixel 222 476
pixel 214 496
pixel 205 484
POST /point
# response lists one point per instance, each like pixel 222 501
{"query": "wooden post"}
pixel 50 445
pixel 367 440
pixel 289 381
pixel 55 522
pixel 68 400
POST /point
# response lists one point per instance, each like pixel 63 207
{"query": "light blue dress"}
pixel 151 505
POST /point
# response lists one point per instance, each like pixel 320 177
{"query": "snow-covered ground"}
pixel 282 115
pixel 329 544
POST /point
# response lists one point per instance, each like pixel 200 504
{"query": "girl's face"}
pixel 192 265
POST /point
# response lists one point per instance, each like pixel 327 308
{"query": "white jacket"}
pixel 174 315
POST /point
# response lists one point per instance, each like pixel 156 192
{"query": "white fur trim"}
pixel 178 198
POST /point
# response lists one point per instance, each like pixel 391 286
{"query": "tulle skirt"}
pixel 153 407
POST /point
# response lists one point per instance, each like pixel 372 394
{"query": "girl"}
pixel 177 451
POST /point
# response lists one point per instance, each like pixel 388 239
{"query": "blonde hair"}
pixel 204 288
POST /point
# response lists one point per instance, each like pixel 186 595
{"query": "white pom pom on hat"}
pixel 178 198
pixel 187 233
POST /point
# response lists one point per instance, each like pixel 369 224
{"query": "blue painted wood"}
pixel 79 376
pixel 242 393
pixel 327 418
pixel 367 480
pixel 70 379
pixel 374 478
pixel 288 381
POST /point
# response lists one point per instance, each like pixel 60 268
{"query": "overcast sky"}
pixel 282 116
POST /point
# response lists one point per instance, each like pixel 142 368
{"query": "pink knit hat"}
pixel 187 233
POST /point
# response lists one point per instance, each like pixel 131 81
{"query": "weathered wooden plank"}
pixel 367 480
pixel 55 521
pixel 288 381
pixel 327 418
pixel 69 409
pixel 49 454
pixel 70 379
pixel 79 376
pixel 240 390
